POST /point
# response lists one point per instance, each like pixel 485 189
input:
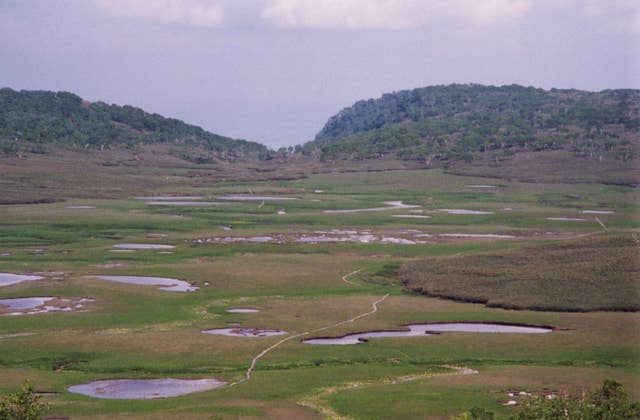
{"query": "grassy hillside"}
pixel 462 122
pixel 32 121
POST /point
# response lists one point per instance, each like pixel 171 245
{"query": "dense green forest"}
pixel 457 121
pixel 32 121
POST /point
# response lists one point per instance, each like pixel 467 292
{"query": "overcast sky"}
pixel 273 71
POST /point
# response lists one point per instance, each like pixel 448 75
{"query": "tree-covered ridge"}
pixel 455 121
pixel 31 120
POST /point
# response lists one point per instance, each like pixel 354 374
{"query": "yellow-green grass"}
pixel 441 396
pixel 594 341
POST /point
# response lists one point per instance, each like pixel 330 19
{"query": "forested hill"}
pixel 456 122
pixel 34 121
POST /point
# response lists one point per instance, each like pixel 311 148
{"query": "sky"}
pixel 274 71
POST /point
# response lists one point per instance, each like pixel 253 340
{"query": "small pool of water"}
pixel 19 304
pixel 143 246
pixel 7 279
pixel 476 235
pixel 254 198
pixel 465 211
pixel 566 219
pixel 168 284
pixel 143 389
pixel 429 329
pixel 244 332
pixel 597 212
pixel 242 311
pixel 81 207
pixel 42 305
pixel 170 197
pixel 392 205
pixel 183 203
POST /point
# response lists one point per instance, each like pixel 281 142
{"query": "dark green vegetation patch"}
pixel 590 274
pixel 456 122
pixel 29 120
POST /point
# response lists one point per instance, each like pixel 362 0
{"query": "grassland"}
pixel 586 274
pixel 141 332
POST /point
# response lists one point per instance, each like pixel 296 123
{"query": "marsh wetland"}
pixel 432 292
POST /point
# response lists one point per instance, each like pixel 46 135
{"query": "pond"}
pixel 254 198
pixel 476 235
pixel 430 329
pixel 183 203
pixel 480 186
pixel 465 211
pixel 242 311
pixel 143 246
pixel 19 304
pixel 244 332
pixel 143 389
pixel 391 205
pixel 7 279
pixel 41 305
pixel 168 284
pixel 170 197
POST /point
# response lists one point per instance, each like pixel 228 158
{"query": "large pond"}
pixel 143 389
pixel 168 284
pixel 430 329
pixel 7 279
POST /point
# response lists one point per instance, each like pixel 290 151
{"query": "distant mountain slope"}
pixel 457 122
pixel 33 121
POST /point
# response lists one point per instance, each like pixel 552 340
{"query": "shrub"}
pixel 610 402
pixel 22 405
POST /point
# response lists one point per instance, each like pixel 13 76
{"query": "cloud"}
pixel 199 13
pixel 615 15
pixel 390 14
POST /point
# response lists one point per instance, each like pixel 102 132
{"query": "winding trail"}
pixel 252 366
pixel 601 224
pixel 344 278
pixel 316 401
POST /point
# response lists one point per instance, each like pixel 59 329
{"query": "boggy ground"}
pixel 134 331
pixel 586 274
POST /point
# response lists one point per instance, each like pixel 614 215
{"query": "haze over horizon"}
pixel 273 71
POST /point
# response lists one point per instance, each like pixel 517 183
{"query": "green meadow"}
pixel 136 331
